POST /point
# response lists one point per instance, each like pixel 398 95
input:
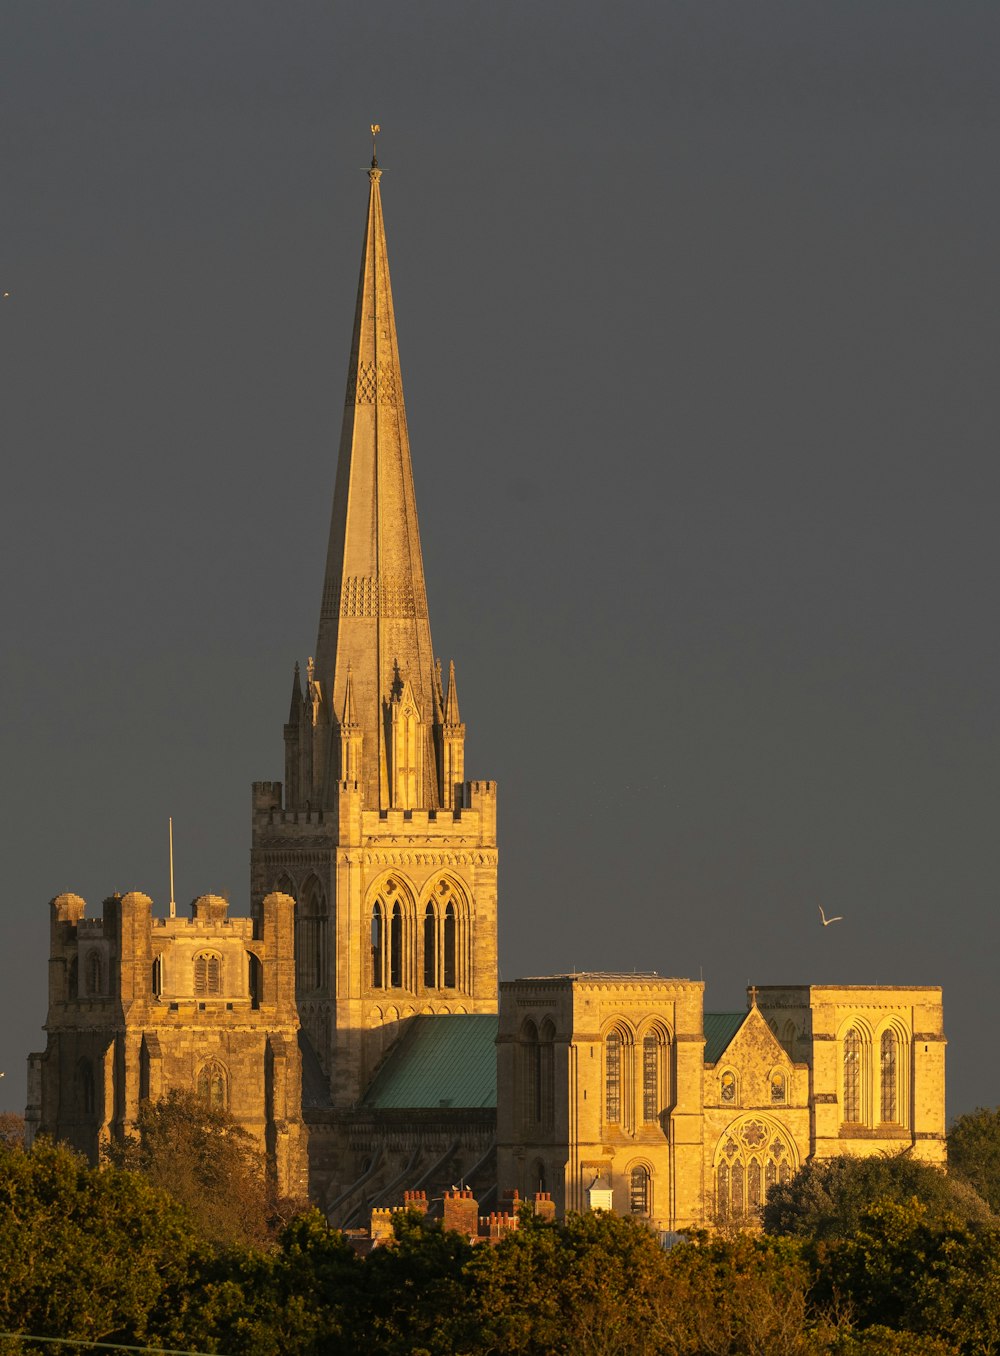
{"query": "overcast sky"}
pixel 698 321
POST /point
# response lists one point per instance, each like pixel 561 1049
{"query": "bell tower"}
pixel 390 854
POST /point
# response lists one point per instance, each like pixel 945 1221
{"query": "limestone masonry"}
pixel 353 1022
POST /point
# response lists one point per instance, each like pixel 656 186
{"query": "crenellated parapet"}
pixel 139 1006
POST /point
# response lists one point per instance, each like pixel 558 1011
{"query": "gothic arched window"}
pixel 430 947
pixel 378 946
pixel 531 1074
pixel 852 1076
pixel 450 929
pixel 311 937
pixel 890 1076
pixel 751 1157
pixel 213 1086
pixel 207 973
pixel 613 1077
pixel 722 1190
pixel 95 975
pixel 639 1202
pixel 653 1076
pixel 547 1074
pixel 753 1184
pixel 727 1087
pixel 778 1089
pixel 396 948
pixel 254 982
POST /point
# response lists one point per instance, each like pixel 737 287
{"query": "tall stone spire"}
pixel 373 618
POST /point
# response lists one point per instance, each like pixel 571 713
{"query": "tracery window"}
pixel 778 1089
pixel 613 1077
pixel 751 1158
pixel 639 1190
pixel 890 1076
pixel 727 1087
pixel 852 1076
pixel 207 973
pixel 393 944
pixel 212 1086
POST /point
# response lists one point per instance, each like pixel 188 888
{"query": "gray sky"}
pixel 697 309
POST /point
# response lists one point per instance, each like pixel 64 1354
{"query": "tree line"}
pixel 177 1242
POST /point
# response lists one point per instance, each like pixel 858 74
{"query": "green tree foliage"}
pixel 207 1162
pixel 102 1254
pixel 974 1152
pixel 302 1297
pixel 589 1285
pixel 903 1270
pixel 86 1252
pixel 827 1199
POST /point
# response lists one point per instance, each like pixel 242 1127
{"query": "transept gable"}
pixel 752 1069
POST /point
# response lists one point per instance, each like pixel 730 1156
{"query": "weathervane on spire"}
pixel 375 131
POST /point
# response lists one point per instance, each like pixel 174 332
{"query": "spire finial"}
pixel 375 131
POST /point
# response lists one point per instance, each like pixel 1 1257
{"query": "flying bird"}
pixel 827 921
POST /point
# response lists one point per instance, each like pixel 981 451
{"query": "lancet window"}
pixel 311 918
pixel 547 1072
pixel 450 940
pixel 430 947
pixel 445 939
pixel 95 975
pixel 639 1193
pixel 613 1078
pixel 853 1073
pixel 396 947
pixel 207 973
pixel 779 1089
pixel 392 938
pixel 531 1075
pixel 889 1069
pixel 254 982
pixel 654 1076
pixel 213 1086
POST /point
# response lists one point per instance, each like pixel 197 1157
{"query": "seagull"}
pixel 827 921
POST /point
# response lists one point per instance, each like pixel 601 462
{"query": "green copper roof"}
pixel 720 1028
pixel 440 1061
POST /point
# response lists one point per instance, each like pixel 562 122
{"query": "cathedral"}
pixel 353 1023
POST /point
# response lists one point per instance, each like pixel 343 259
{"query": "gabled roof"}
pixel 440 1061
pixel 720 1028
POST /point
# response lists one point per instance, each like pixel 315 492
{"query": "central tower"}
pixel 389 853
